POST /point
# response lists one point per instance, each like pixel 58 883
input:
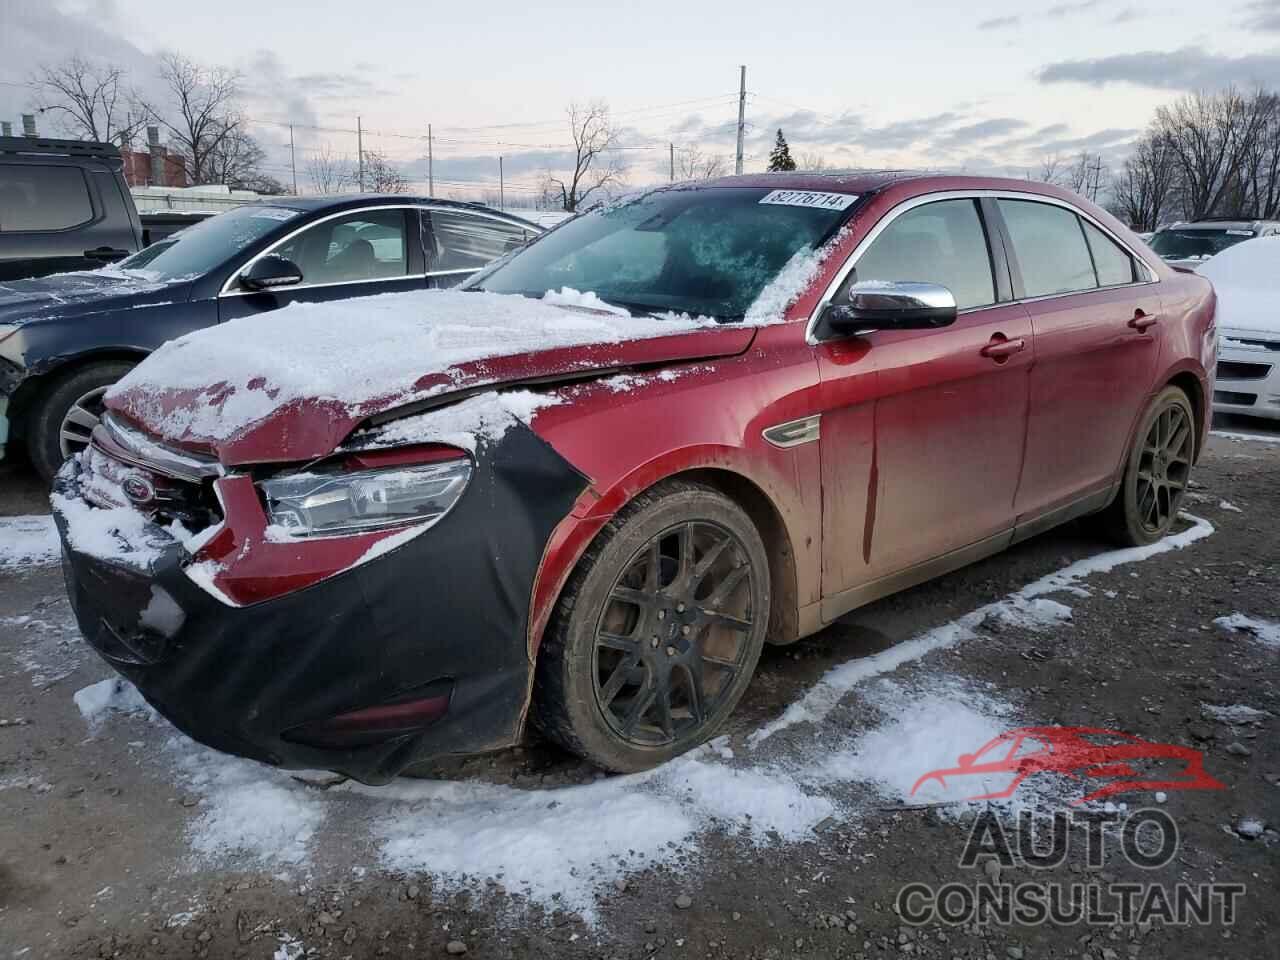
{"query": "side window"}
pixel 941 242
pixel 361 246
pixel 42 197
pixel 1050 248
pixel 1114 265
pixel 464 241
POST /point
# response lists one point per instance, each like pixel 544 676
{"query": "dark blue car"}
pixel 64 339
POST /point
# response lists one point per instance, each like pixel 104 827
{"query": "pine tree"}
pixel 780 160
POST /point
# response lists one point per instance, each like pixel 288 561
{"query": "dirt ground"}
pixel 105 831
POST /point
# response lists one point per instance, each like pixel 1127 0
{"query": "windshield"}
pixel 707 252
pixel 1190 244
pixel 201 247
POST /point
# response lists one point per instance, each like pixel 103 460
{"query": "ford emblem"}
pixel 139 490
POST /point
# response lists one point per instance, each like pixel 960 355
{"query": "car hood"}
pixel 78 294
pixel 1246 279
pixel 292 384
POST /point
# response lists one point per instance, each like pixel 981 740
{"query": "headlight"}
pixel 335 502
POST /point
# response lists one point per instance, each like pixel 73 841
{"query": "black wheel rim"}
pixel 77 426
pixel 674 634
pixel 1163 468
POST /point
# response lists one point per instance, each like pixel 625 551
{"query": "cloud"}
pixel 1188 68
pixel 977 132
pixel 1263 15
pixel 999 23
pixel 1126 15
pixel 1060 10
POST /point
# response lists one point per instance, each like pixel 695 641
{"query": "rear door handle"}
pixel 1142 320
pixel 1000 350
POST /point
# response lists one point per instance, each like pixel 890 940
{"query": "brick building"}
pixel 154 167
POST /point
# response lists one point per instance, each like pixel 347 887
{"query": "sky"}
pixel 996 86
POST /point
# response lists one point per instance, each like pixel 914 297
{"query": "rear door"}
pixel 459 242
pixel 948 417
pixel 1096 319
pixel 358 253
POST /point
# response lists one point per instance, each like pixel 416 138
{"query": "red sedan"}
pixel 585 489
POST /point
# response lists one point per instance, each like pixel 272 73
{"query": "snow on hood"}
pixel 1246 278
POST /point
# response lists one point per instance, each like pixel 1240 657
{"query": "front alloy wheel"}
pixel 657 632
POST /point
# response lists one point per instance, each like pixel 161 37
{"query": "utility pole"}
pixel 360 153
pixel 672 148
pixel 293 161
pixel 431 175
pixel 742 116
pixel 502 190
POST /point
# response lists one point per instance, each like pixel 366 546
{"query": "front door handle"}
pixel 1001 349
pixel 105 253
pixel 1142 320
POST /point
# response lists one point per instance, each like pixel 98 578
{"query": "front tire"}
pixel 657 632
pixel 66 414
pixel 1156 473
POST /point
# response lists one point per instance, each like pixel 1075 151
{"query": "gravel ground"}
pixel 122 839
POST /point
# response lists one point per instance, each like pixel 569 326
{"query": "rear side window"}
pixel 42 197
pixel 1050 248
pixel 466 242
pixel 941 242
pixel 1113 263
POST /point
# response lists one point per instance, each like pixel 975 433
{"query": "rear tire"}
pixel 62 419
pixel 657 632
pixel 1156 473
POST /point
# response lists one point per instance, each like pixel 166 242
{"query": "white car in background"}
pixel 1247 280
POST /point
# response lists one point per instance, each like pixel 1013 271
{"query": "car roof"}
pixel 871 181
pixel 348 201
pixel 1213 224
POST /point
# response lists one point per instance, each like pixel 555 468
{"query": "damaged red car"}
pixel 587 488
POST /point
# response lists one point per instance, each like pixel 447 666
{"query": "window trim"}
pixel 912 202
pixel 1093 257
pixel 995 261
pixel 228 287
pixel 96 210
pixel 429 227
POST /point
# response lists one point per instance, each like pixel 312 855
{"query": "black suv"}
pixel 65 339
pixel 64 205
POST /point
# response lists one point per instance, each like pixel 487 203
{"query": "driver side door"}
pixel 353 254
pixel 920 469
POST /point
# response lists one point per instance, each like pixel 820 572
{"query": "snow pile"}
pixel 922 732
pixel 1264 631
pixel 1243 437
pixel 483 418
pixel 28 540
pixel 1017 608
pixel 113 695
pixel 248 809
pixel 356 351
pixel 569 297
pixel 118 534
pixel 1237 714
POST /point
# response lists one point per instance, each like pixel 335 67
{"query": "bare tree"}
pixel 1051 170
pixel 596 163
pixel 1143 193
pixel 1212 135
pixel 812 163
pixel 329 172
pixel 88 100
pixel 1260 176
pixel 200 112
pixel 381 175
pixel 237 161
pixel 693 164
pixel 1087 175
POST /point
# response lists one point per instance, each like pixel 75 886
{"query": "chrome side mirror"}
pixel 888 305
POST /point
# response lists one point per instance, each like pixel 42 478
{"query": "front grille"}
pixel 106 482
pixel 1265 344
pixel 1238 370
pixel 1235 399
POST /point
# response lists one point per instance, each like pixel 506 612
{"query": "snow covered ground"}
pixel 562 846
pixel 28 540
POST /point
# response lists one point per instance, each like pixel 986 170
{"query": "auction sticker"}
pixel 810 198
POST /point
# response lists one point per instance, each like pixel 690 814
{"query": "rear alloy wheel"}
pixel 657 633
pixel 1157 472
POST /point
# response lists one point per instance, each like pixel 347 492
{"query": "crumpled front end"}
pixel 360 653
